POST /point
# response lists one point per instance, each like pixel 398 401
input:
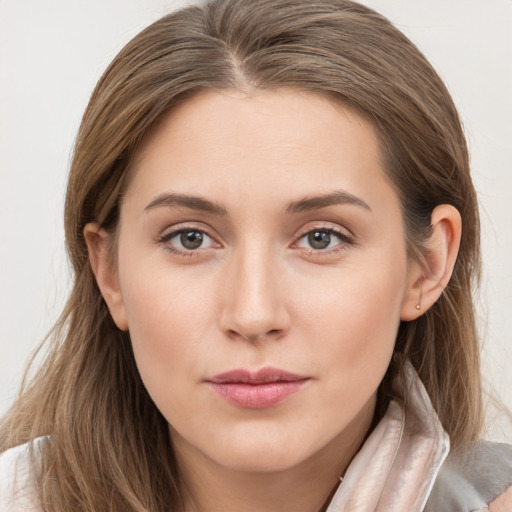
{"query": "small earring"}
pixel 418 306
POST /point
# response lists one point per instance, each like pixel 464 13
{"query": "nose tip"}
pixel 254 308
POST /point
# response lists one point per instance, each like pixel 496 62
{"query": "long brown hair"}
pixel 108 446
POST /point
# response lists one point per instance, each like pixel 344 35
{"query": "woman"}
pixel 274 236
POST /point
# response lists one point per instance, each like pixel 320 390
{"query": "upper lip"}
pixel 263 376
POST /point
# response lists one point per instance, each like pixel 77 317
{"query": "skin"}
pixel 257 294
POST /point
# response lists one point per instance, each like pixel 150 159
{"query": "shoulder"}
pixel 473 477
pixel 17 484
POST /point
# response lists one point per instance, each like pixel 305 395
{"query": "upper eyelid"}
pixel 326 226
pixel 342 236
pixel 186 226
pixel 166 237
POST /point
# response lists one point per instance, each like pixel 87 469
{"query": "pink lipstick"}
pixel 264 388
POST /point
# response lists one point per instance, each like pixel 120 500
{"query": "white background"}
pixel 52 53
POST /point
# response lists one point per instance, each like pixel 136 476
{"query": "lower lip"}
pixel 257 396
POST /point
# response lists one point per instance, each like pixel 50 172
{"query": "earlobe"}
pixel 427 279
pixel 105 272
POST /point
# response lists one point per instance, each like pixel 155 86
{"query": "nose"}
pixel 254 305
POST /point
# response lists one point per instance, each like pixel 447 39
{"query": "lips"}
pixel 257 390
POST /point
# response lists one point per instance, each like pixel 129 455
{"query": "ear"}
pixel 100 258
pixel 428 278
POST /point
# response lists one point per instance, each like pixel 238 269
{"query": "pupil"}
pixel 191 239
pixel 319 239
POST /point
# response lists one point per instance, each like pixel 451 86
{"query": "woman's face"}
pixel 262 274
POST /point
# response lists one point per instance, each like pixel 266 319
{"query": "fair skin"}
pixel 222 263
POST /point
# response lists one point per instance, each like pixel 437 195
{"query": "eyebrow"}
pixel 306 204
pixel 191 202
pixel 322 201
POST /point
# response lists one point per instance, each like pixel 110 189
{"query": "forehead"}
pixel 229 116
pixel 281 143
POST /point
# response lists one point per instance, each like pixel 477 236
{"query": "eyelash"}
pixel 345 241
pixel 164 240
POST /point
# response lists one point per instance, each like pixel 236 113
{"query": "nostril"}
pixel 254 337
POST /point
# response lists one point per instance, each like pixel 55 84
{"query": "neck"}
pixel 268 492
pixel 306 487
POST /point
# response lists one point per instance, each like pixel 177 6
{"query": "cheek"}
pixel 167 320
pixel 353 320
pixel 359 305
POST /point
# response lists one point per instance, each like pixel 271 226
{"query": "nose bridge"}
pixel 253 306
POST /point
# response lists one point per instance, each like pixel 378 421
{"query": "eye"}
pixel 186 240
pixel 191 239
pixel 322 239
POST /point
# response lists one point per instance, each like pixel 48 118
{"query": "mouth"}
pixel 257 390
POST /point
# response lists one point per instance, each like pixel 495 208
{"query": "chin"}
pixel 264 460
pixel 271 451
